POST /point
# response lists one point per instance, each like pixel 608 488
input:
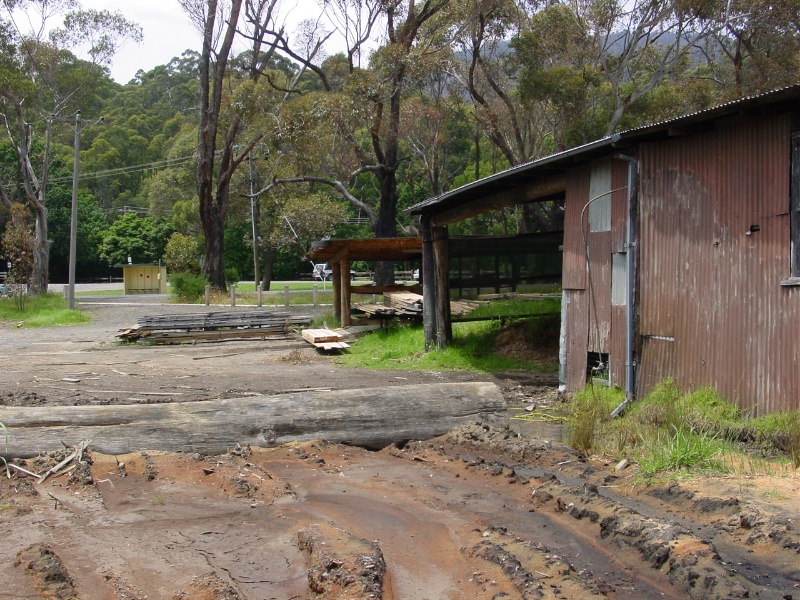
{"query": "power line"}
pixel 160 164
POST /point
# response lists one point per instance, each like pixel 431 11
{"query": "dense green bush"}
pixel 232 276
pixel 187 287
pixel 182 254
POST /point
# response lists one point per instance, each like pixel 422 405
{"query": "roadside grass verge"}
pixel 46 310
pixel 669 432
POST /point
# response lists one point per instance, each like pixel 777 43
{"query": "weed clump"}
pixel 187 287
pixel 669 430
pixel 780 430
pixel 591 414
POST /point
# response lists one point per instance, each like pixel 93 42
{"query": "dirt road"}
pixel 479 513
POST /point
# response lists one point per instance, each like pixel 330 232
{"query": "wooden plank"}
pixel 373 417
pixel 332 345
pixel 211 326
pixel 370 249
pixel 177 337
pixel 315 336
pixel 384 289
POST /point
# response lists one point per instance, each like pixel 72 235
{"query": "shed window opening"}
pixel 600 192
pixel 597 369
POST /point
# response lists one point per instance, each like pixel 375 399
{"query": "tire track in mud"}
pixel 478 514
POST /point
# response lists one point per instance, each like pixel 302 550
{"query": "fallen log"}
pixel 373 418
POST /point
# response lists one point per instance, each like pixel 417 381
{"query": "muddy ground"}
pixel 478 513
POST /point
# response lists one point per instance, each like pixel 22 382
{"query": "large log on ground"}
pixel 373 417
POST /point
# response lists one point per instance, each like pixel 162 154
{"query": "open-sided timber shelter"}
pixel 681 251
pixel 339 253
pixel 492 262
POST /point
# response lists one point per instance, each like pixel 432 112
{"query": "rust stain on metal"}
pixel 714 249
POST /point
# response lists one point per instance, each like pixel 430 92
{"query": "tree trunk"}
pixel 386 227
pixel 41 253
pixel 374 418
pixel 213 203
pixel 214 264
pixel 269 262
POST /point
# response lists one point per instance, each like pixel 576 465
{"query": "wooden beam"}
pixel 368 249
pixel 444 327
pixel 522 194
pixel 344 288
pixel 337 297
pixel 427 274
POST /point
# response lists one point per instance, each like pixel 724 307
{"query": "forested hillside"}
pixel 425 96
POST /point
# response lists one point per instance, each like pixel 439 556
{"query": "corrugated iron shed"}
pixel 713 297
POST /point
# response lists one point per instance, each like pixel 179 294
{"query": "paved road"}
pixel 58 288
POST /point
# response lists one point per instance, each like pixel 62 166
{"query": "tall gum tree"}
pixel 41 82
pixel 220 24
pixel 409 31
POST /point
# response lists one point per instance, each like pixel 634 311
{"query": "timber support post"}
pixel 344 288
pixel 428 283
pixel 337 295
pixel 444 326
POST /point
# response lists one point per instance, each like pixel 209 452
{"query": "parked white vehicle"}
pixel 322 272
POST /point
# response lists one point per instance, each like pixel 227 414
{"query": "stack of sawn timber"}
pixel 211 326
pixel 410 304
pixel 326 339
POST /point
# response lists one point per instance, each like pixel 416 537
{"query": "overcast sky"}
pixel 167 32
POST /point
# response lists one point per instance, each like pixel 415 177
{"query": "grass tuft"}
pixel 781 430
pixel 683 449
pixel 591 411
pixel 672 431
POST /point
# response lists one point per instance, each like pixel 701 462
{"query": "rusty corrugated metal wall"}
pixel 592 319
pixel 574 279
pixel 713 311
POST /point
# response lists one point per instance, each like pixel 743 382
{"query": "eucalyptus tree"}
pixel 761 45
pixel 546 76
pixel 221 122
pixel 42 82
pixel 142 119
pixel 361 109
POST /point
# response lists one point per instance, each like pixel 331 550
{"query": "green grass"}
pixel 683 449
pixel 669 431
pixel 402 347
pixel 47 310
pixel 513 307
pixel 780 430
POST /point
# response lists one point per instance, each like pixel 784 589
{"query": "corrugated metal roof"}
pixel 549 165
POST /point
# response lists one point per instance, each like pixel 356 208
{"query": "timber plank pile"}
pixel 211 326
pixel 459 308
pixel 325 339
pixel 407 304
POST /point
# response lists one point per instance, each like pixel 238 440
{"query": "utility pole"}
pixel 73 224
pixel 254 218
